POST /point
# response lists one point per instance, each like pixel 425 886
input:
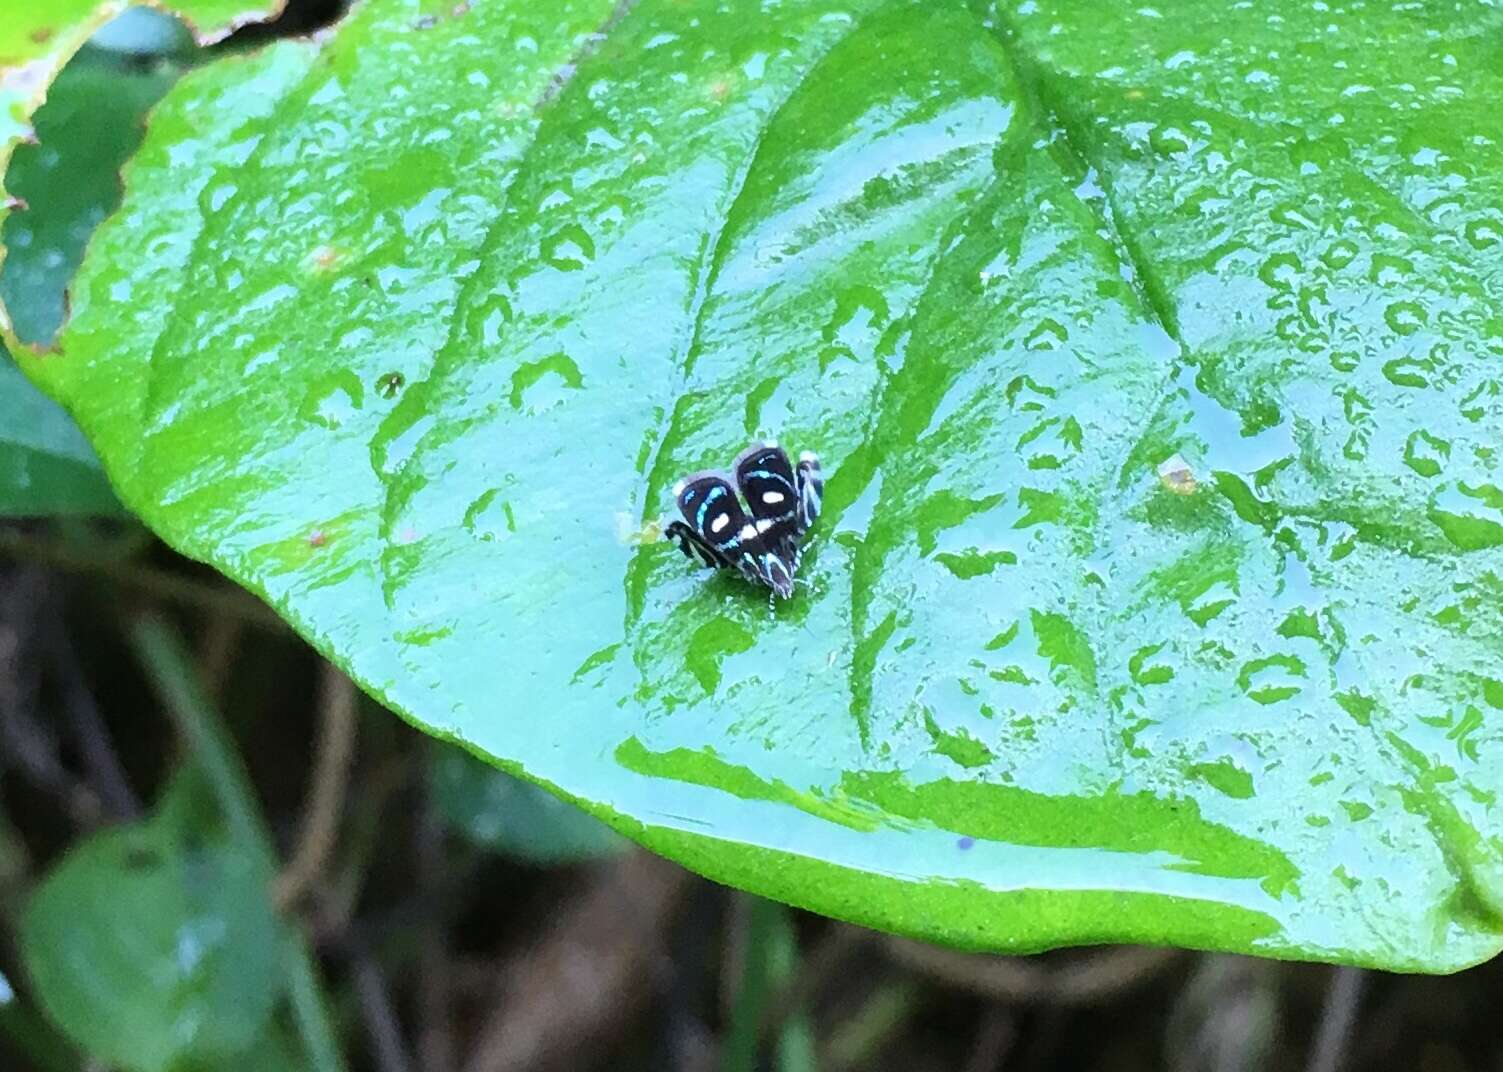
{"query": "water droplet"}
pixel 1407 372
pixel 1484 233
pixel 558 195
pixel 333 399
pixel 1272 679
pixel 219 196
pixel 1340 253
pixel 569 248
pixel 1345 360
pixel 1405 317
pixel 1148 673
pixel 400 432
pixel 1281 271
pixel 1387 270
pixel 1224 776
pixel 1424 452
pixel 1293 218
pixel 1168 141
pixel 1048 334
pixel 709 646
pixel 860 314
pixel 1470 516
pixel 490 517
pixel 540 385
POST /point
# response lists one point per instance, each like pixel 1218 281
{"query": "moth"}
pixel 760 537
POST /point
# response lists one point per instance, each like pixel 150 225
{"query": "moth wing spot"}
pixel 720 523
pixel 765 524
pixel 749 532
pixel 772 497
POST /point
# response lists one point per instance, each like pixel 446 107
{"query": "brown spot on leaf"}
pixel 1177 476
pixel 325 258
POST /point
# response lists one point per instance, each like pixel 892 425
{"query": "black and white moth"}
pixel 760 538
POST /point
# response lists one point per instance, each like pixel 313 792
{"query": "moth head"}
pixel 776 571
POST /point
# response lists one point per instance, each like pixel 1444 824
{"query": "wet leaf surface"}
pixel 36 40
pixel 1152 354
pixel 69 179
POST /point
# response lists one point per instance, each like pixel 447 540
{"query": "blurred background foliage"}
pixel 214 853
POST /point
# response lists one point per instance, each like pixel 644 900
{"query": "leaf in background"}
pixel 142 32
pixel 1153 359
pixel 151 949
pixel 513 817
pixel 70 181
pixel 36 40
pixel 46 465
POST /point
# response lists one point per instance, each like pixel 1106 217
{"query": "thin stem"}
pixel 854 1042
pixel 168 665
pixel 815 970
pixel 1329 1049
pixel 95 744
pixel 376 1010
pixel 309 1008
pixel 760 921
pixel 320 826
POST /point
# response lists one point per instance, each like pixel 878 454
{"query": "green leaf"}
pixel 69 180
pixel 46 466
pixel 150 949
pixel 37 39
pixel 1154 362
pixel 508 815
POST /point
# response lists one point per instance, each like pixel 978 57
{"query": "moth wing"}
pixel 767 482
pixel 693 546
pixel 811 490
pixel 714 514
